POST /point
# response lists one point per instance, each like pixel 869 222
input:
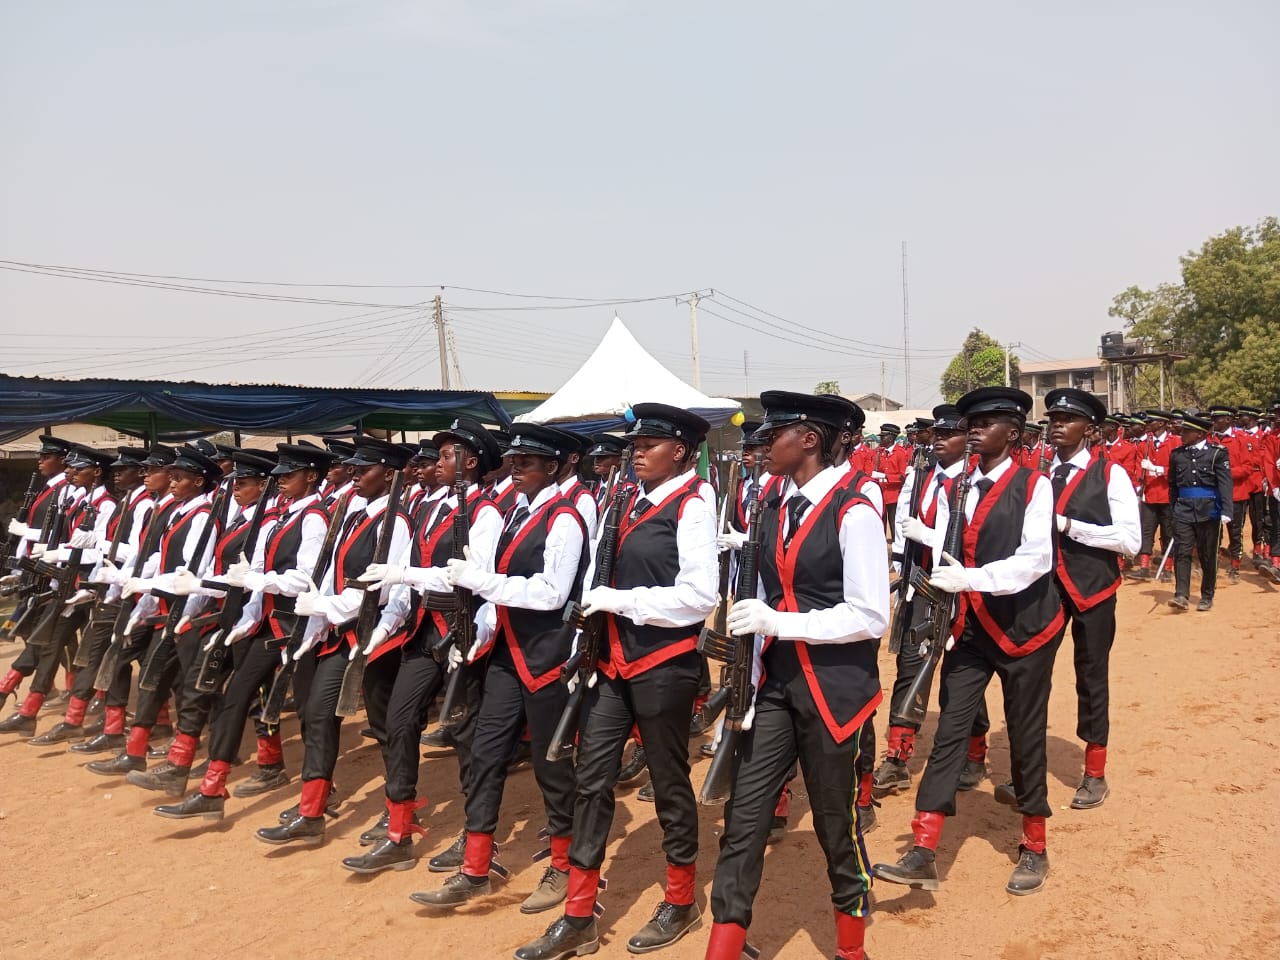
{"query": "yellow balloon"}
pixel 738 419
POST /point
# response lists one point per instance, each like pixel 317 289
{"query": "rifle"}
pixel 104 611
pixel 284 676
pixel 933 638
pixel 35 572
pixel 719 623
pixel 911 553
pixel 24 515
pixel 588 631
pixel 736 653
pixel 147 544
pixel 462 627
pixel 353 678
pixel 65 577
pixel 213 659
pixel 164 643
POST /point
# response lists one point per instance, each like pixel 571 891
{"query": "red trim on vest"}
pixel 1060 564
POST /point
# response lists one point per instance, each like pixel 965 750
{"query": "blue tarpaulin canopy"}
pixel 159 408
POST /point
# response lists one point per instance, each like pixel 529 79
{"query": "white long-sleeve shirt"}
pixel 344 603
pixel 1034 556
pixel 695 591
pixel 908 492
pixel 1124 533
pixel 864 612
pixel 548 589
pixel 583 501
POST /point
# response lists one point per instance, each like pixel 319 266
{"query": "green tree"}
pixel 828 386
pixel 980 363
pixel 1225 315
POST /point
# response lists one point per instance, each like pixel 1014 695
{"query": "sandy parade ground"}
pixel 1179 862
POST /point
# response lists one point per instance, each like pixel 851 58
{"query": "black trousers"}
pixel 788 728
pixel 506 707
pixel 1205 536
pixel 1235 532
pixel 1092 633
pixel 890 517
pixel 94 640
pixel 135 645
pixel 1026 682
pixel 1260 517
pixel 416 684
pixel 660 702
pixel 194 707
pixel 150 701
pixel 323 726
pixel 60 649
pixel 1273 511
pixel 253 663
pixel 1155 516
pixel 909 663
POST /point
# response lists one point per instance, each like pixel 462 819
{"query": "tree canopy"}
pixel 980 363
pixel 1225 314
pixel 827 386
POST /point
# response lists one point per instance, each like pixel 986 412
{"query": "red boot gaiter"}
pixel 270 753
pixel 783 809
pixel 727 941
pixel 978 749
pixel 478 854
pixel 75 712
pixel 162 715
pixel 1033 834
pixel 182 750
pixel 850 933
pixel 927 828
pixel 680 884
pixel 31 705
pixel 315 794
pixel 901 743
pixel 113 722
pixel 864 790
pixel 1095 760
pixel 560 853
pixel 400 822
pixel 214 783
pixel 581 901
pixel 137 745
pixel 10 682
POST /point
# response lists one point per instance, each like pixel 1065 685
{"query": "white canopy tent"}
pixel 618 374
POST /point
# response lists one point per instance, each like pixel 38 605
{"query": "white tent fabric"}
pixel 618 374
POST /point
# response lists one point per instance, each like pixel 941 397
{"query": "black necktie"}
pixel 984 486
pixel 796 506
pixel 640 508
pixel 237 523
pixel 517 517
pixel 1060 479
pixel 352 522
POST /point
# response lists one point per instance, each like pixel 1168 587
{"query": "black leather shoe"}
pixel 707 749
pixel 1091 792
pixel 1180 603
pixel 117 766
pixel 377 832
pixel 166 777
pixel 973 773
pixel 646 793
pixel 866 816
pixel 522 757
pixel 97 726
pixel 158 749
pixel 97 707
pixel 308 830
pixel 562 939
pixel 1206 603
pixel 1030 874
pixel 385 855
pixel 668 925
pixel 777 830
pixel 102 743
pixel 457 890
pixel 368 734
pixel 17 723
pixel 915 868
pixel 891 776
pixel 196 805
pixel 58 701
pixel 447 861
pixel 1004 794
pixel 635 766
pixel 439 738
pixel 1233 575
pixel 60 733
pixel 697 726
pixel 162 731
pixel 264 780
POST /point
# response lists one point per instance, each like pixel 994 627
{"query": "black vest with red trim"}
pixel 1088 575
pixel 648 556
pixel 124 513
pixel 432 547
pixel 537 639
pixel 1022 622
pixel 351 558
pixel 808 574
pixel 505 500
pixel 174 540
pixel 46 498
pixel 284 539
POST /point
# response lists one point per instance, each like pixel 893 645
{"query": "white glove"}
pixel 1226 521
pixel 183 622
pixel 103 573
pixel 377 638
pixel 110 573
pixel 237 633
pixel 1060 521
pixel 466 573
pixel 750 718
pixel 292 582
pixel 602 600
pixel 62 555
pixel 877 475
pixel 752 616
pixel 312 637
pixel 379 575
pixel 310 604
pixel 185 582
pixel 18 529
pixel 475 650
pixel 135 585
pixel 573 680
pixel 37 550
pixel 81 596
pixel 237 572
pixel 1276 493
pixel 949 575
pixel 1147 465
pixel 731 540
pixel 913 528
pixel 455 658
pixel 9 579
pixel 215 638
pixel 83 540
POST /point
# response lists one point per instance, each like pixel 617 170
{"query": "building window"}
pixel 1082 380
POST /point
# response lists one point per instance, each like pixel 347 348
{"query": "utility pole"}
pixel 440 340
pixel 693 337
pixel 906 334
pixel 746 374
pixel 882 386
pixel 1007 348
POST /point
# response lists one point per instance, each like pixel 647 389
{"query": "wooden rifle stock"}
pixel 589 630
pixel 24 516
pixel 911 551
pixel 284 676
pixel 462 628
pixel 914 705
pixel 353 678
pixel 736 653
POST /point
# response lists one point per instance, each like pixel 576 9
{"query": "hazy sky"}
pixel 1037 158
